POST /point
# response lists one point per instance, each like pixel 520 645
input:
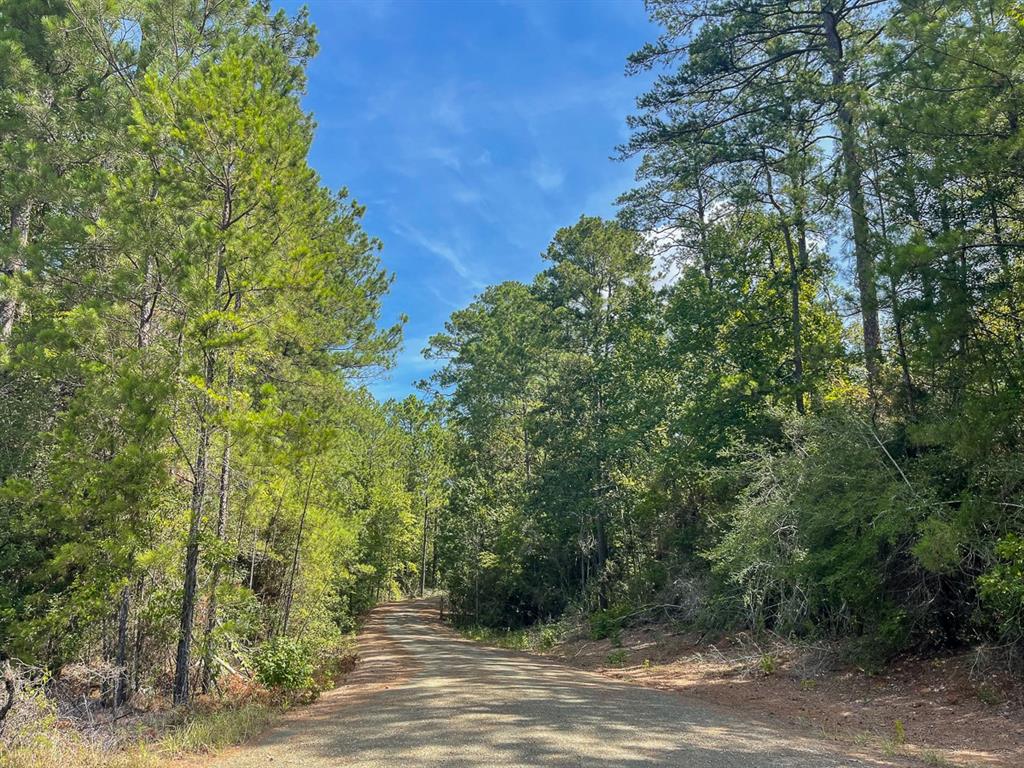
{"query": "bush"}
pixel 283 664
pixel 1002 588
pixel 617 658
pixel 608 622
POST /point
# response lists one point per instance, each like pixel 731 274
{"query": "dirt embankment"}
pixel 957 710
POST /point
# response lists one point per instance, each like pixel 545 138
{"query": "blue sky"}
pixel 471 131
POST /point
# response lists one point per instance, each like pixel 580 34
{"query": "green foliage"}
pixel 185 315
pixel 283 663
pixel 1002 587
pixel 794 403
pixel 617 658
pixel 608 623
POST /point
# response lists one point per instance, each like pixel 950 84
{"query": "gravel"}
pixel 422 696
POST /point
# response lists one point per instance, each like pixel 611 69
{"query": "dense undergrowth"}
pixel 49 727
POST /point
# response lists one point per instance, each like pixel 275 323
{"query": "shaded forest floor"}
pixel 957 710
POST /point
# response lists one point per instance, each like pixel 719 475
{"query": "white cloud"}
pixel 547 177
pixel 446 156
pixel 465 195
pixel 439 248
pixel 447 110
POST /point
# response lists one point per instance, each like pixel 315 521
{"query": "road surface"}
pixel 422 696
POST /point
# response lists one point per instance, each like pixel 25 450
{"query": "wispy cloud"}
pixel 547 177
pixel 446 156
pixel 447 111
pixel 445 251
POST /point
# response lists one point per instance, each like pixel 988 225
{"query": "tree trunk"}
pixel 9 689
pixel 121 656
pixel 433 556
pixel 188 600
pixel 601 534
pixel 295 553
pixel 796 320
pixel 222 520
pixel 139 636
pixel 853 177
pixel 423 548
pixel 21 221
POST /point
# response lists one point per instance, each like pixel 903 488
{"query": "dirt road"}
pixel 422 696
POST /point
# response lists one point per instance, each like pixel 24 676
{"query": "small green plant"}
pixel 989 695
pixel 547 638
pixel 607 623
pixel 893 745
pixel 928 757
pixel 647 664
pixel 209 731
pixel 283 664
pixel 808 685
pixel 768 664
pixel 899 733
pixel 618 657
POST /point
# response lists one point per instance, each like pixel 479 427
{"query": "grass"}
pixel 211 731
pixel 197 732
pixel 540 637
pixel 38 738
pixel 513 639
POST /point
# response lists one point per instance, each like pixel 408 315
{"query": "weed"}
pixel 768 664
pixel 618 657
pixel 899 732
pixel 928 757
pixel 989 695
pixel 547 637
pixel 210 731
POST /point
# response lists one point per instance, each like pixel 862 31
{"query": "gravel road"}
pixel 422 696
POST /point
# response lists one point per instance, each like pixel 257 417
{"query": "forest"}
pixel 780 391
pixel 191 473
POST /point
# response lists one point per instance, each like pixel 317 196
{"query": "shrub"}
pixel 618 657
pixel 284 664
pixel 607 623
pixel 1002 588
pixel 547 637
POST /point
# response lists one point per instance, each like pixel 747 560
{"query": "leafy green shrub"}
pixel 809 540
pixel 607 623
pixel 284 664
pixel 617 657
pixel 989 695
pixel 880 643
pixel 1002 588
pixel 547 638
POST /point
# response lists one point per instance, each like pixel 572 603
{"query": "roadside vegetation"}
pixel 198 497
pixel 782 392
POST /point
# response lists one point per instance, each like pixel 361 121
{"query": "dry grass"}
pixel 44 732
pixel 196 732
